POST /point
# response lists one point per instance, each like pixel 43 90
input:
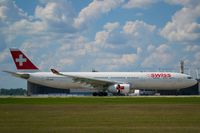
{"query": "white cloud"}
pixel 135 34
pixel 31 31
pixel 139 51
pixel 183 26
pixel 10 12
pixel 139 3
pixel 139 34
pixel 192 48
pixel 50 21
pixel 102 36
pixel 54 12
pixel 111 26
pixel 58 16
pixel 197 59
pixel 132 33
pixel 25 26
pixel 94 10
pixel 138 28
pixel 3 11
pixel 183 2
pixel 114 61
pixel 49 32
pixel 139 14
pixel 158 57
pixel 64 62
pixel 151 48
pixel 126 59
pixel 3 55
pixel 48 12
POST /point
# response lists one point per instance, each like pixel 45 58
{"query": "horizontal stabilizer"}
pixel 19 75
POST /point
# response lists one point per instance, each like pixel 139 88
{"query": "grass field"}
pixel 100 114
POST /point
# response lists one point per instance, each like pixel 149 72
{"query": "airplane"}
pixel 117 83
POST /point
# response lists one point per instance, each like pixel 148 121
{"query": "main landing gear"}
pixel 100 94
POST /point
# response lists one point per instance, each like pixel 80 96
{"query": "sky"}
pixel 105 35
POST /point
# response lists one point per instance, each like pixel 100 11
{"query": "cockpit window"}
pixel 189 77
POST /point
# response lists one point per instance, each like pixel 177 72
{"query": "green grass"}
pixel 106 114
pixel 102 100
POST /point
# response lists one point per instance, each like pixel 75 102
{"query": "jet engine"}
pixel 120 89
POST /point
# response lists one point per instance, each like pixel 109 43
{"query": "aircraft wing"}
pixel 96 83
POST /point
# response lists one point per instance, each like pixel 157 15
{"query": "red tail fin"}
pixel 21 61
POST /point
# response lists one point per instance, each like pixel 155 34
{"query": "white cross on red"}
pixel 20 60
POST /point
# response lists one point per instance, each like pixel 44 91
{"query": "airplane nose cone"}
pixel 193 82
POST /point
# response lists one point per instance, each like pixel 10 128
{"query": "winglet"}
pixel 54 71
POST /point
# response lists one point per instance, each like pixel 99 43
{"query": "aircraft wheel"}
pixel 100 94
pixel 95 94
pixel 105 94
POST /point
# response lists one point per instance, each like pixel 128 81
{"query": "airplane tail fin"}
pixel 21 61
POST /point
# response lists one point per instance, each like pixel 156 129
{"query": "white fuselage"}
pixel 137 80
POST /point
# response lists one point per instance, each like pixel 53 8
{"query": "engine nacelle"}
pixel 120 89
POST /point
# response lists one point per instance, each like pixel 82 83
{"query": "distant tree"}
pixel 17 91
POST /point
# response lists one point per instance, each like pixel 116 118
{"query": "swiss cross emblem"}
pixel 20 60
pixel 120 87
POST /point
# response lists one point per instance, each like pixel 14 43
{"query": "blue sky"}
pixel 108 35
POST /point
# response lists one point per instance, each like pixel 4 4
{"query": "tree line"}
pixel 17 91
